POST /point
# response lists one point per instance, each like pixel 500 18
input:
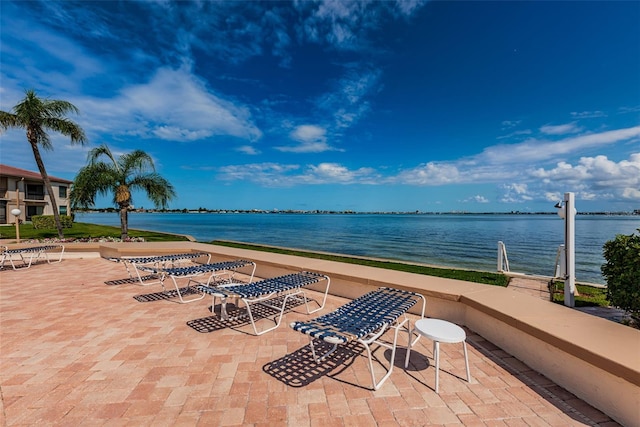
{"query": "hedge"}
pixel 48 222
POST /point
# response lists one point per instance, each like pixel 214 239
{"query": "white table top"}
pixel 440 330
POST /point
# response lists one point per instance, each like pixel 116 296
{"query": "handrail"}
pixel 503 261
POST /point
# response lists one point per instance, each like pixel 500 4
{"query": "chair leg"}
pixel 406 357
pixel 410 344
pixel 182 300
pixel 466 360
pixel 436 357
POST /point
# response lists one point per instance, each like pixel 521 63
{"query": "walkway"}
pixel 538 287
pixel 75 351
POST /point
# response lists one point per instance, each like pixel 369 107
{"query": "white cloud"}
pixel 311 138
pixel 533 150
pixel 309 133
pixel 560 129
pixel 631 194
pixel 552 196
pixel 477 199
pixel 173 105
pixel 279 175
pixel 347 103
pixel 509 124
pixel 432 173
pixel 624 110
pixel 516 134
pixel 248 149
pixel 336 173
pixel 515 193
pixel 345 24
pixel 267 174
pixel 596 174
pixel 588 114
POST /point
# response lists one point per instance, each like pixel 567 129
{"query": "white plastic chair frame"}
pixel 34 253
pixel 221 272
pixel 365 320
pixel 289 287
pixel 135 264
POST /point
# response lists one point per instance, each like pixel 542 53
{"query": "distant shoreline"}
pixel 347 212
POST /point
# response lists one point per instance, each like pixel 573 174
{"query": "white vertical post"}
pixel 500 262
pixel 570 250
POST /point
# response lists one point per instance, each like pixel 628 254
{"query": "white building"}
pixel 26 190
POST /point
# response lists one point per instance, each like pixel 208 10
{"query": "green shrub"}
pixel 44 222
pixel 622 272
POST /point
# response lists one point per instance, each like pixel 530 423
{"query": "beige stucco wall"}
pixel 10 197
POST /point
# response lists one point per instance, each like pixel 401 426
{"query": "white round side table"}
pixel 439 331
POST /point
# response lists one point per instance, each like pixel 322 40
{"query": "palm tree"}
pixel 129 172
pixel 36 116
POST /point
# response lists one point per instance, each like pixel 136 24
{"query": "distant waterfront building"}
pixel 26 190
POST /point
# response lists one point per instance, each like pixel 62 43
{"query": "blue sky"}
pixel 336 105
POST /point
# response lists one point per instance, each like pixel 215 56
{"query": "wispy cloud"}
pixel 348 102
pixel 515 193
pixel 516 133
pixel 248 149
pixel 510 124
pixel 476 199
pixel 345 25
pixel 561 129
pixel 588 114
pixel 534 150
pixel 590 177
pixel 173 105
pixel 310 139
pixel 280 175
pixel 625 110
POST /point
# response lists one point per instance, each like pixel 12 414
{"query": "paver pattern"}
pixel 77 352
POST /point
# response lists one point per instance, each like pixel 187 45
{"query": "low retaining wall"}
pixel 593 358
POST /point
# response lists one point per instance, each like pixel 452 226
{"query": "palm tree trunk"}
pixel 124 222
pixel 47 183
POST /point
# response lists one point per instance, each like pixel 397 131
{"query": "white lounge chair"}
pixel 273 293
pixel 365 320
pixel 135 264
pixel 30 254
pixel 220 273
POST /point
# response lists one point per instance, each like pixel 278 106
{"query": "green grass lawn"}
pixel 487 278
pixel 588 296
pixel 82 230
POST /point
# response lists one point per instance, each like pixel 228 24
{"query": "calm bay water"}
pixel 466 241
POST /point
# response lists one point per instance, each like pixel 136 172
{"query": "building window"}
pixel 63 210
pixel 3 212
pixel 34 210
pixel 62 192
pixel 35 192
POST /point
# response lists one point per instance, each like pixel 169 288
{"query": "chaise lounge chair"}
pixel 27 255
pixel 132 264
pixel 273 293
pixel 365 320
pixel 219 273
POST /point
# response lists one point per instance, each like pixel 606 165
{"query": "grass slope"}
pixel 80 231
pixel 487 278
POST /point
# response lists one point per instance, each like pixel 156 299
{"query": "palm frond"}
pixel 8 120
pixel 65 127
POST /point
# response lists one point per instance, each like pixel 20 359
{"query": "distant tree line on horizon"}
pixel 342 212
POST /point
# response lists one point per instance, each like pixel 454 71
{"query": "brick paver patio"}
pixel 75 351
